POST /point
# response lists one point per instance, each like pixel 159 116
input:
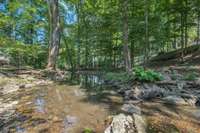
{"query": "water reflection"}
pixel 40 105
pixel 19 129
pixel 87 80
pixel 65 108
pixel 69 122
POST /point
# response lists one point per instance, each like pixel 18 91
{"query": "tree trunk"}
pixel 78 10
pixel 126 50
pixel 198 29
pixel 182 37
pixel 186 25
pixel 54 38
pixel 147 46
pixel 174 42
pixel 132 38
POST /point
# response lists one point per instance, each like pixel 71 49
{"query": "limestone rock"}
pixel 122 124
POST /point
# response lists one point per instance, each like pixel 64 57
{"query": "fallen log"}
pixel 176 54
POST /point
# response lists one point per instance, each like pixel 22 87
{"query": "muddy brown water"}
pixel 64 108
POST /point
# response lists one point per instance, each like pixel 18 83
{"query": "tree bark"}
pixel 54 38
pixel 78 10
pixel 182 37
pixel 198 28
pixel 186 25
pixel 132 38
pixel 147 46
pixel 126 51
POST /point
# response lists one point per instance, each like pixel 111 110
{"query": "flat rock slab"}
pixel 122 124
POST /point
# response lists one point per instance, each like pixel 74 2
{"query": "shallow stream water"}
pixel 84 102
pixel 60 108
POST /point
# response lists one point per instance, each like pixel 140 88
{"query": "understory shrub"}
pixel 119 77
pixel 146 75
pixel 191 76
pixel 138 73
pixel 21 54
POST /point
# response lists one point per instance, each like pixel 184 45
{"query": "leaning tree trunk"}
pixel 126 51
pixel 54 38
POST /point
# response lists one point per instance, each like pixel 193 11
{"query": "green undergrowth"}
pixel 119 77
pixel 191 76
pixel 138 74
pixel 21 54
pixel 147 75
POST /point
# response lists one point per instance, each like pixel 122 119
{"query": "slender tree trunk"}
pixel 198 28
pixel 126 51
pixel 186 25
pixel 78 10
pixel 182 37
pixel 132 38
pixel 54 38
pixel 147 46
pixel 174 42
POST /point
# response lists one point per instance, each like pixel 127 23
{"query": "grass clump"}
pixel 88 130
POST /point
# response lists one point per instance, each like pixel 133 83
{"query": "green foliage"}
pixel 88 130
pixel 139 73
pixel 148 75
pixel 191 76
pixel 21 54
pixel 119 77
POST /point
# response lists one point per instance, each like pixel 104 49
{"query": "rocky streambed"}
pixel 168 106
pixel 31 103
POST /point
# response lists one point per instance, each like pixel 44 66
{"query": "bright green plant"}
pixel 88 130
pixel 146 75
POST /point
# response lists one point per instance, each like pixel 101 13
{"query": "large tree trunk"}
pixel 54 38
pixel 126 51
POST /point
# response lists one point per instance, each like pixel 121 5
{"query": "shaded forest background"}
pixel 96 34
